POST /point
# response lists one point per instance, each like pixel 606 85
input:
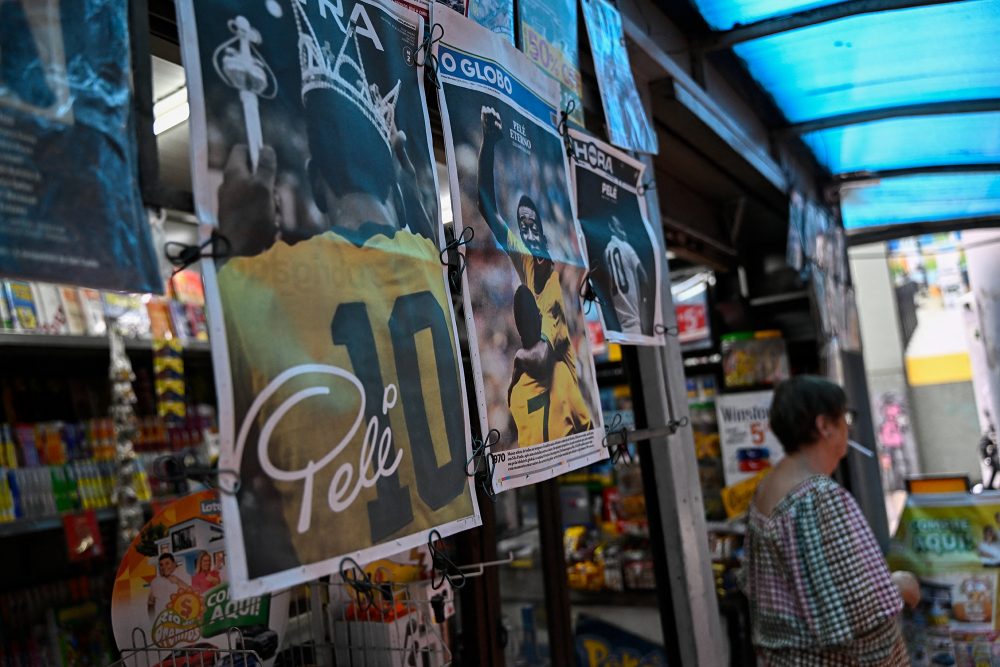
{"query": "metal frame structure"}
pixel 885 113
pixel 804 19
pixel 720 43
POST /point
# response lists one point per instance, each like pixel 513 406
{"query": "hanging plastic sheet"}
pixel 342 400
pixel 70 208
pixel 628 125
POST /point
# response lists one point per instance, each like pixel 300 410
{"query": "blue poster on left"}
pixel 70 207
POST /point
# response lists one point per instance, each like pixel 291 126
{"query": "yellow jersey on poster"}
pixel 548 412
pixel 375 308
pixel 549 299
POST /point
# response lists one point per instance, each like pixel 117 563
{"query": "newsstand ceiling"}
pixel 898 99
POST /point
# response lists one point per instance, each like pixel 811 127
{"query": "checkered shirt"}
pixel 819 589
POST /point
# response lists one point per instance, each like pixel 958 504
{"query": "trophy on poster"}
pixel 240 65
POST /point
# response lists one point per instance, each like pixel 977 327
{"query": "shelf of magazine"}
pixel 27 339
pixel 54 522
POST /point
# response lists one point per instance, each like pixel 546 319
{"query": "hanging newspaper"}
pixel 628 125
pixel 65 108
pixel 548 37
pixel 532 364
pixel 794 249
pixel 425 7
pixel 336 354
pixel 623 251
pixel 496 15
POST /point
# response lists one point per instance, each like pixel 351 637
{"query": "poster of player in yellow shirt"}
pixel 531 361
pixel 334 341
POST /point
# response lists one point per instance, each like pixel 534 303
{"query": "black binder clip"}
pixel 425 57
pixel 361 582
pixel 442 566
pixel 563 128
pixel 587 293
pixel 616 440
pixel 483 467
pixel 453 258
pixel 183 255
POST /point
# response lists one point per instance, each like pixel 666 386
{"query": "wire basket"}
pixel 340 624
pixel 146 654
pixel 390 624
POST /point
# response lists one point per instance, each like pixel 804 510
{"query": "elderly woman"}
pixel 819 589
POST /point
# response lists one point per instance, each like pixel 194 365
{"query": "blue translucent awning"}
pixel 904 143
pixel 920 198
pixel 888 59
pixel 724 14
pixel 914 89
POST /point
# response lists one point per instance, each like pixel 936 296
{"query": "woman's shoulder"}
pixel 822 486
pixel 779 496
pixel 820 503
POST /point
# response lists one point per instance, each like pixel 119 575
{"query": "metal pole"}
pixel 675 470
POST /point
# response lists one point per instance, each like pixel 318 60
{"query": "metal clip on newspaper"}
pixel 587 292
pixel 442 566
pixel 425 57
pixel 186 466
pixel 361 583
pixel 483 466
pixel 183 255
pixel 643 188
pixel 453 258
pixel 619 443
pixel 563 128
pixel 624 435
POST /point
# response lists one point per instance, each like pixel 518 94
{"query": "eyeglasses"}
pixel 851 417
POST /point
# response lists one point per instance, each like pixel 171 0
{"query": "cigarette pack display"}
pixel 21 302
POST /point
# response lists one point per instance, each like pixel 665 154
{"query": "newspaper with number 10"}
pixel 342 402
